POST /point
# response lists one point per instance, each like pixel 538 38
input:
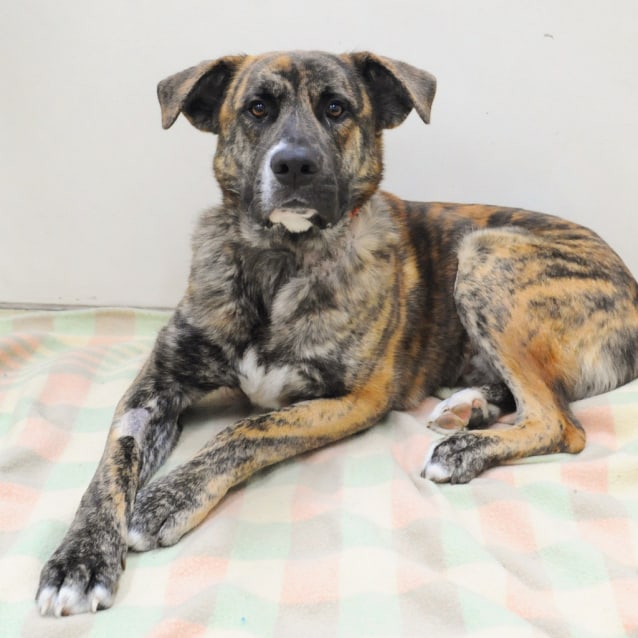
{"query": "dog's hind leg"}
pixel 539 313
pixel 461 457
pixel 544 424
pixel 532 327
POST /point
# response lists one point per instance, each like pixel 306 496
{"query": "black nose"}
pixel 295 165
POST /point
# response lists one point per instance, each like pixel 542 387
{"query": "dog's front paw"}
pixel 458 458
pixel 82 574
pixel 164 511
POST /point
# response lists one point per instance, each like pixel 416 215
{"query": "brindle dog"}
pixel 331 303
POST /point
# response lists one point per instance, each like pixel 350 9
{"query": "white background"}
pixel 537 107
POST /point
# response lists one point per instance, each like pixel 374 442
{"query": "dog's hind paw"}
pixel 458 458
pixel 465 408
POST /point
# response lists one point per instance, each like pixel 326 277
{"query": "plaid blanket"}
pixel 346 541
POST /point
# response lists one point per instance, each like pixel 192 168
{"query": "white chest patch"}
pixel 265 388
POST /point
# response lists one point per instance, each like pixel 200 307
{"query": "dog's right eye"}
pixel 335 109
pixel 258 109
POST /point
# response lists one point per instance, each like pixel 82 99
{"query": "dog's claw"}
pixel 73 599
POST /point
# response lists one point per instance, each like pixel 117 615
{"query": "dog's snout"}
pixel 295 165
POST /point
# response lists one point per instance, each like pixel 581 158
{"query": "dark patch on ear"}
pixel 203 104
pixel 391 104
pixel 198 93
pixel 395 88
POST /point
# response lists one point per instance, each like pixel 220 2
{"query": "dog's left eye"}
pixel 335 109
pixel 258 109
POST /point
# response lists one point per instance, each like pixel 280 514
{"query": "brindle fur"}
pixel 373 308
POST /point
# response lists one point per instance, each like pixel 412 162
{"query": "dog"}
pixel 328 303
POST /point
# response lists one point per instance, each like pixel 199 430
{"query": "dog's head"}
pixel 299 133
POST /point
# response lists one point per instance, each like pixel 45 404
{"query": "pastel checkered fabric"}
pixel 347 541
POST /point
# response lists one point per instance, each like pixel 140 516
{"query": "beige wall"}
pixel 537 107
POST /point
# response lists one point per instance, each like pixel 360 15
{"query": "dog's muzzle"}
pixel 297 192
pixel 295 166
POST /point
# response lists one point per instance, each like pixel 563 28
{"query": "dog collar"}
pixel 354 212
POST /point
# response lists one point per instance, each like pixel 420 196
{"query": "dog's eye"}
pixel 335 109
pixel 258 109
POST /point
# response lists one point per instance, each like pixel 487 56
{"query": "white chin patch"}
pixel 294 220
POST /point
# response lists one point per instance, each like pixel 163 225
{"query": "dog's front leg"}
pixel 83 572
pixel 171 506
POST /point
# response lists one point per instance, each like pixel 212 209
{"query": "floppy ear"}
pixel 197 92
pixel 395 88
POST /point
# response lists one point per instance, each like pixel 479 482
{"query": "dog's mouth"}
pixel 296 219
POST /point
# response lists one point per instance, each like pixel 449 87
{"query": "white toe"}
pixel 437 473
pixel 100 597
pixel 434 471
pixel 138 542
pixel 70 600
pixel 46 600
